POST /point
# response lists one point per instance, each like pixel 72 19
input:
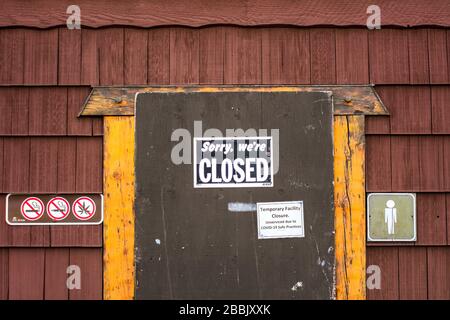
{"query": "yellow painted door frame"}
pixel 349 197
pixel 349 207
pixel 118 221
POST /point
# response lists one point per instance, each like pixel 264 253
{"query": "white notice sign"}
pixel 280 220
pixel 233 162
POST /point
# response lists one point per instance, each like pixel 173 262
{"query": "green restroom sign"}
pixel 391 217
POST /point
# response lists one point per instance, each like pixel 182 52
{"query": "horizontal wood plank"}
pixel 48 13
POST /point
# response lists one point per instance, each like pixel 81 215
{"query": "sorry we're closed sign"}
pixel 233 162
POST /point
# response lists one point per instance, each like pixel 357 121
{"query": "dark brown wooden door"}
pixel 189 245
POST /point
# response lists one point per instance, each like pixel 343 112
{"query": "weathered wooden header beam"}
pixel 197 13
pixel 119 101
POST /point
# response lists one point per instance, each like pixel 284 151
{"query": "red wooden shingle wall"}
pixel 45 148
pixel 409 151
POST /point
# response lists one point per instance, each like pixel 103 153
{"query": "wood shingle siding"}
pixel 52 165
pixel 242 56
pixel 56 262
pixel 4 267
pixel 89 260
pixel 26 273
pixel 418 56
pixel 45 75
pixel 431 219
pixel 438 56
pixel 438 260
pixel 412 266
pixel 40 63
pixel 388 56
pixel 211 61
pixel 159 56
pixel 440 104
pixel 323 59
pixel 386 258
pixel 352 56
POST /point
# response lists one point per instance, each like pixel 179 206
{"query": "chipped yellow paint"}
pixel 118 225
pixel 349 199
pixel 349 151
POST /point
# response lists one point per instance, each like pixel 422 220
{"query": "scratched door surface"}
pixel 188 244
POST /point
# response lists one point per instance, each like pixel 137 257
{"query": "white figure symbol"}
pixel 390 216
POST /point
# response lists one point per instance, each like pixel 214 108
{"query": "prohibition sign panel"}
pixel 32 208
pixel 57 209
pixel 189 244
pixel 84 208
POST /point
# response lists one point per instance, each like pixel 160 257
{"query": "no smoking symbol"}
pixel 83 208
pixel 58 208
pixel 32 208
